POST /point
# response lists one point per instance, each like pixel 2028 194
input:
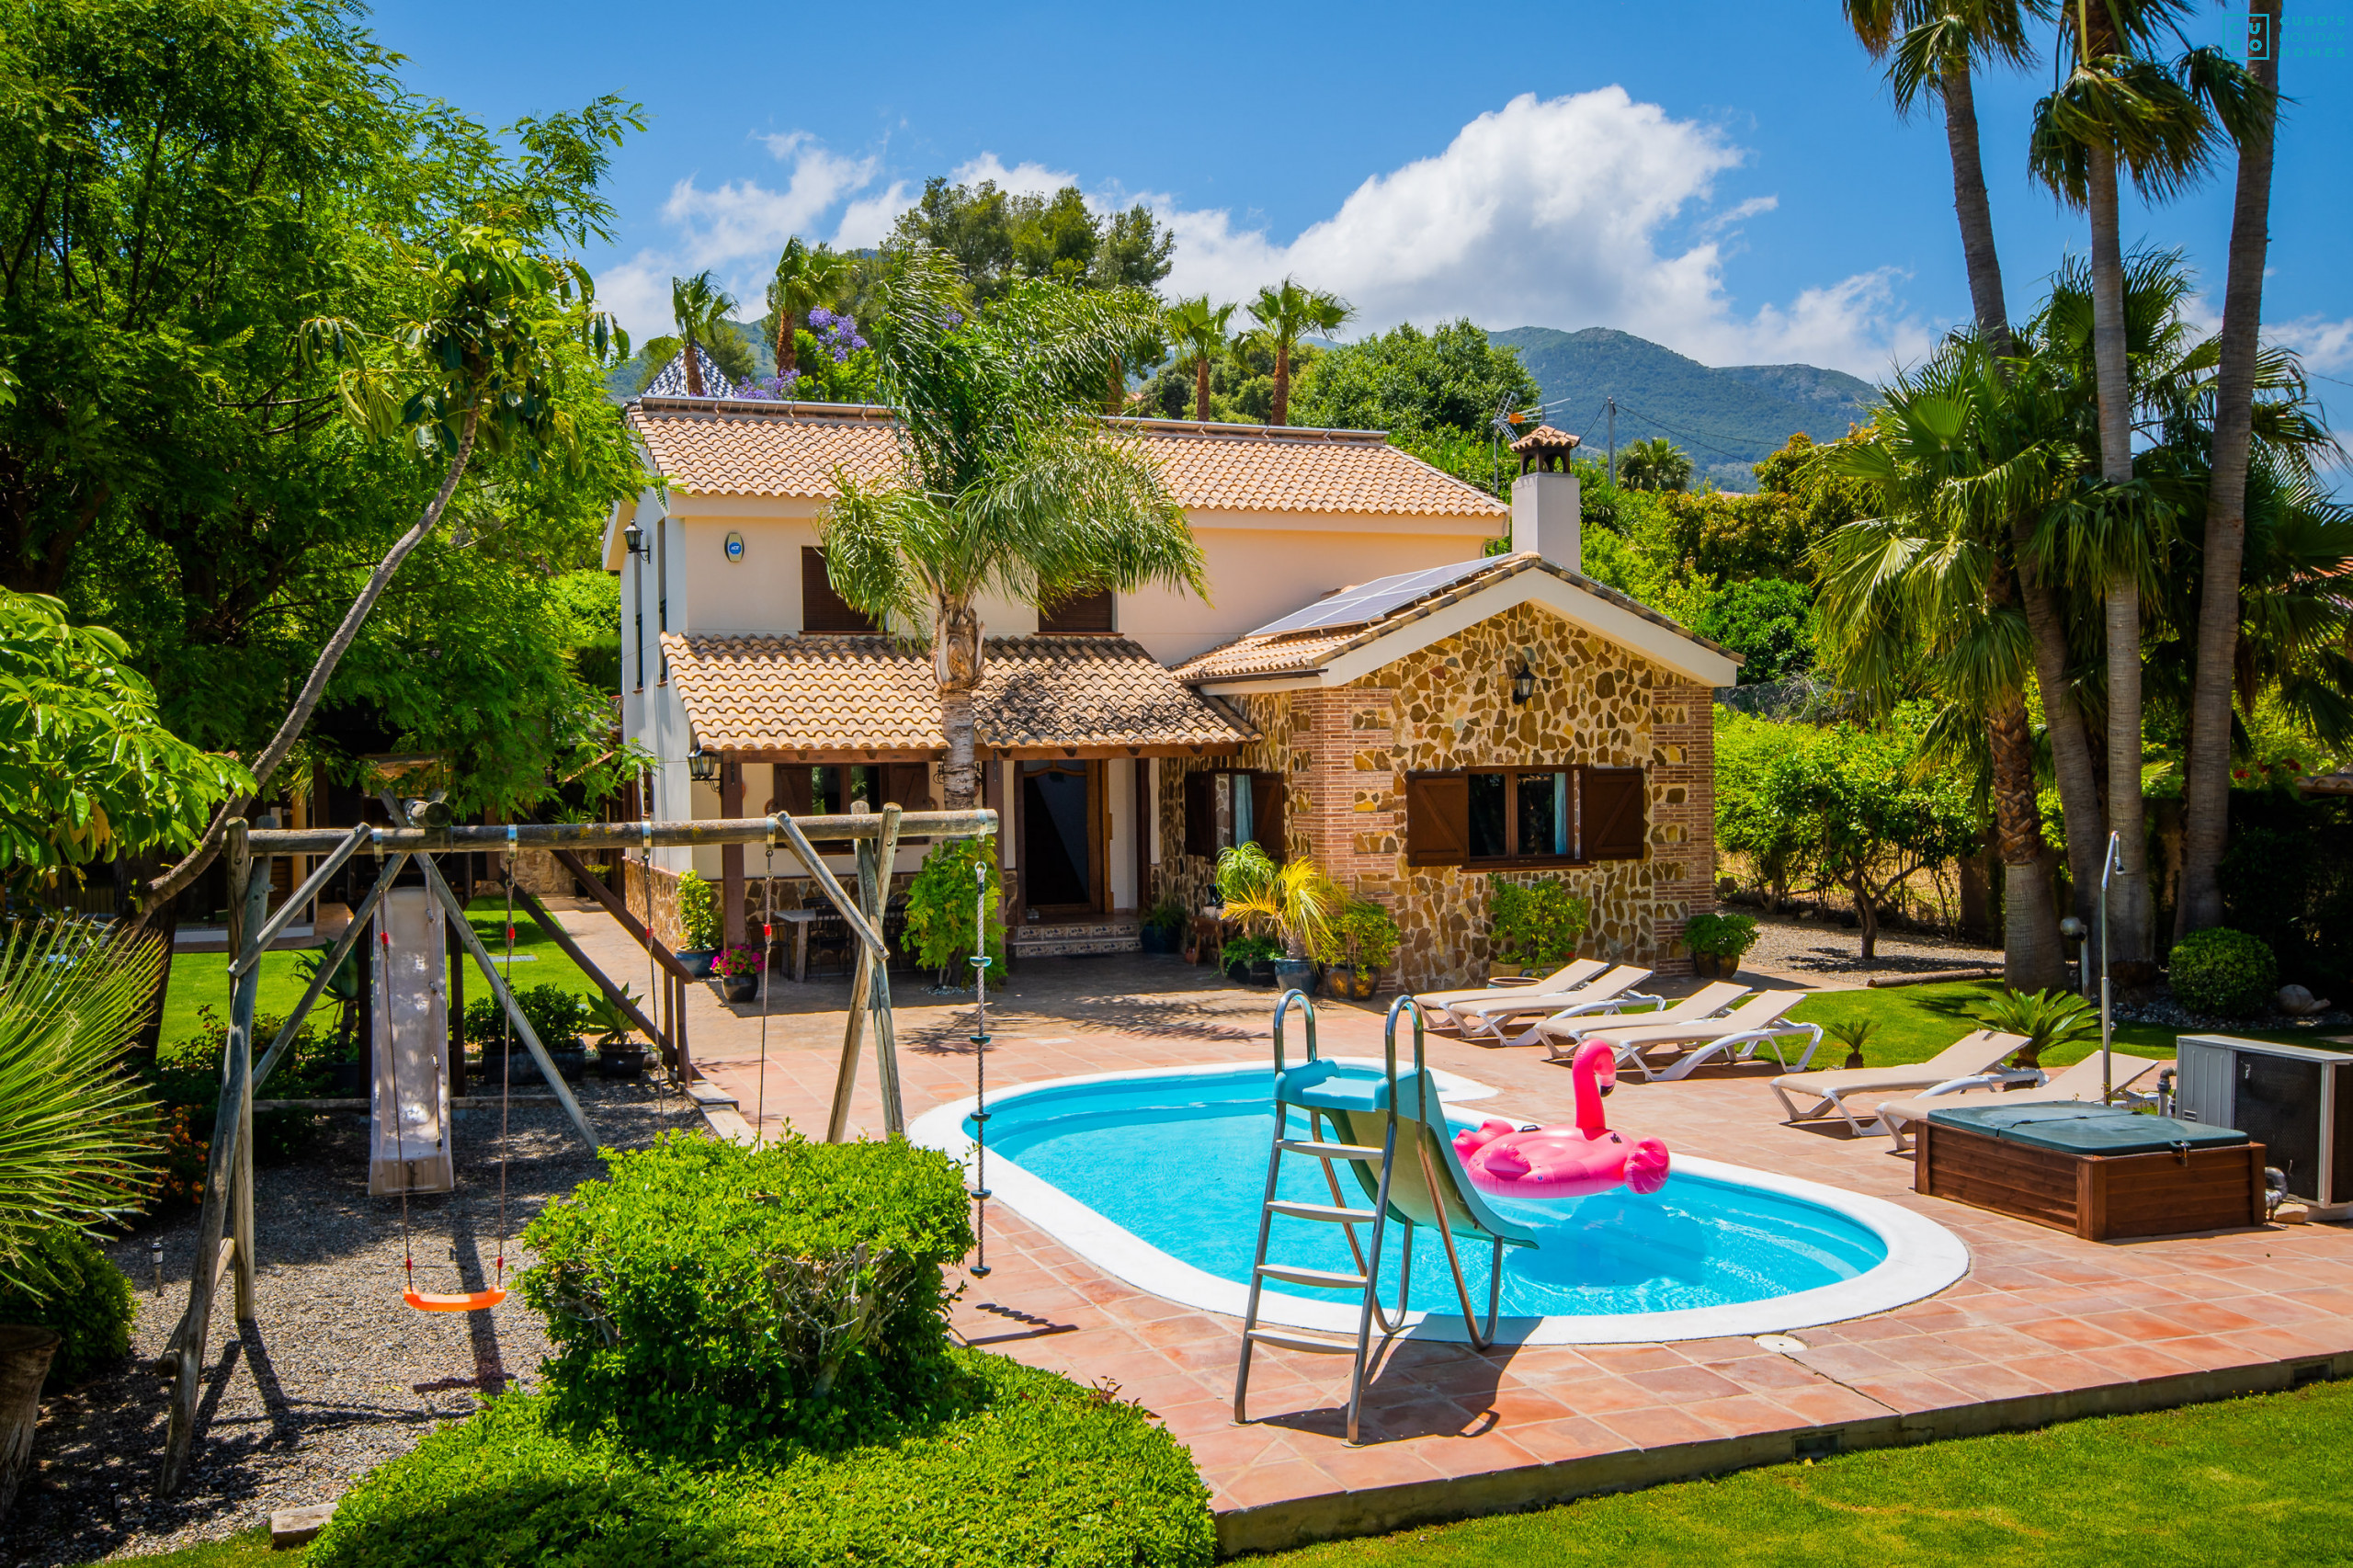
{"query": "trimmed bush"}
pixel 709 1297
pixel 1726 936
pixel 1031 1469
pixel 1536 923
pixel 556 1016
pixel 90 1302
pixel 2224 972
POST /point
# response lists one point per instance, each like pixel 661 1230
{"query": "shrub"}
pixel 698 913
pixel 87 1300
pixel 1030 1470
pixel 1167 917
pixel 1536 923
pixel 712 1296
pixel 556 1016
pixel 1255 947
pixel 186 1083
pixel 1363 936
pixel 941 910
pixel 2224 972
pixel 2046 1018
pixel 734 963
pixel 1728 935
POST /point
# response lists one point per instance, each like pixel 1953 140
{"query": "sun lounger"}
pixel 1730 1037
pixel 2080 1082
pixel 1574 973
pixel 1977 1055
pixel 1562 1036
pixel 1484 1019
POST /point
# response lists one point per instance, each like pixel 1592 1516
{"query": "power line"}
pixel 1671 430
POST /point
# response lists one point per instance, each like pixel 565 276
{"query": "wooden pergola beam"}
pixel 847 827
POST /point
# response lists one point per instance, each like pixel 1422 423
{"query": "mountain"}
pixel 1727 418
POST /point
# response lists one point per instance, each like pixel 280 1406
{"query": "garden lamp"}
pixel 1523 684
pixel 702 766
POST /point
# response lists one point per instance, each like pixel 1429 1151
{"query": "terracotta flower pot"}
pixel 25 1353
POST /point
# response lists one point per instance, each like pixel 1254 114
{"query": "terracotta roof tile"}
pixel 858 694
pixel 722 447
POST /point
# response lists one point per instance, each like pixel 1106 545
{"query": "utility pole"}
pixel 1613 441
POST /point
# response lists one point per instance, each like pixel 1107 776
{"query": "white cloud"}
pixel 2326 346
pixel 866 223
pixel 1022 179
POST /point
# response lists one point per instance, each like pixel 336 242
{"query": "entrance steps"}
pixel 1060 940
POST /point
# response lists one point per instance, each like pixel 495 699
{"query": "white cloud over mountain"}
pixel 1587 210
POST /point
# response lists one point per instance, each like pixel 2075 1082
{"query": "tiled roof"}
pixel 1544 438
pixel 746 447
pixel 859 694
pixel 1303 652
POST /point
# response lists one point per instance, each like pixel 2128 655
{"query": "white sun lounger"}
pixel 1562 1036
pixel 2080 1082
pixel 1733 1035
pixel 1570 975
pixel 1972 1056
pixel 1485 1017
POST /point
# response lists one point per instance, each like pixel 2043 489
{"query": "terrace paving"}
pixel 2043 1326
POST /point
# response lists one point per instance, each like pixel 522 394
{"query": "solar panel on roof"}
pixel 1370 601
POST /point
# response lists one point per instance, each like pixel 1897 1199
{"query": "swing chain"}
pixel 980 1269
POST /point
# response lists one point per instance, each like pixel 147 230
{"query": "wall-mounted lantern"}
pixel 702 766
pixel 1523 684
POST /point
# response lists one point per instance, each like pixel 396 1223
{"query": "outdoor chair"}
pixel 1568 977
pixel 1484 1018
pixel 1975 1057
pixel 2080 1082
pixel 1562 1036
pixel 1733 1035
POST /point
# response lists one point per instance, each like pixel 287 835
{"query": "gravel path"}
pixel 338 1375
pixel 1824 955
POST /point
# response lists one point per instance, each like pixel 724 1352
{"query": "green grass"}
pixel 2242 1481
pixel 246 1548
pixel 201 980
pixel 1917 1021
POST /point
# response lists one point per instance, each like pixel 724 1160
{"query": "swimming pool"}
pixel 1156 1176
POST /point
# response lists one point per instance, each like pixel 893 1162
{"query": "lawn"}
pixel 1917 1021
pixel 201 980
pixel 2239 1481
pixel 246 1548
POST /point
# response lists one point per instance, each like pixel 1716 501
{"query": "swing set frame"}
pixel 225 1226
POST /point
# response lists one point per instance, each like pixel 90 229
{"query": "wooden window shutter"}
pixel 1609 809
pixel 907 784
pixel 1200 816
pixel 1084 615
pixel 1438 818
pixel 1266 813
pixel 822 609
pixel 793 796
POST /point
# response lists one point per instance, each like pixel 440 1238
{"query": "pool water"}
pixel 1180 1161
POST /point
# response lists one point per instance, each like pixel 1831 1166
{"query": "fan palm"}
pixel 1294 901
pixel 1655 464
pixel 1008 484
pixel 1283 312
pixel 806 276
pixel 700 307
pixel 1922 599
pixel 1199 330
pixel 73 1122
pixel 2117 106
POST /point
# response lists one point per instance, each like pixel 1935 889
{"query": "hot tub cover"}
pixel 2080 1129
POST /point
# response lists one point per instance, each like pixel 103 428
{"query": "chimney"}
pixel 1544 500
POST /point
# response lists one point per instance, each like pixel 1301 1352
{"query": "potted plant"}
pixel 1164 928
pixel 1249 958
pixel 1293 902
pixel 1359 943
pixel 1717 941
pixel 738 972
pixel 1532 927
pixel 698 924
pixel 618 1055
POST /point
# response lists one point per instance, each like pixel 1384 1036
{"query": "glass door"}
pixel 1060 855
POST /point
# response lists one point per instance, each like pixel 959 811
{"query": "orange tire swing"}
pixel 466 1301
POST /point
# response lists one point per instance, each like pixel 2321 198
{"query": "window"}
pixel 1085 615
pixel 828 788
pixel 822 609
pixel 1524 816
pixel 1223 809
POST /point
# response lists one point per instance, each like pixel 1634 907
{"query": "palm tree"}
pixel 700 307
pixel 1922 601
pixel 1283 312
pixel 2119 106
pixel 2206 795
pixel 1655 464
pixel 1199 330
pixel 806 276
pixel 1009 485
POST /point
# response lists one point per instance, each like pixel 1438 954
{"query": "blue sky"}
pixel 1729 180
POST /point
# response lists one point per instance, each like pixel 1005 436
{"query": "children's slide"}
pixel 408 1124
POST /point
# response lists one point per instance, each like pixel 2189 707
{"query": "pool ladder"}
pixel 1324 1095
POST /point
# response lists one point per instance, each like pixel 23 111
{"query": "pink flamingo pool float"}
pixel 1565 1161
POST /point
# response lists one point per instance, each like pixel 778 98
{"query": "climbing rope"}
pixel 981 1070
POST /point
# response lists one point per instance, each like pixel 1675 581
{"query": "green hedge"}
pixel 90 1303
pixel 2224 972
pixel 1033 1472
pixel 555 1014
pixel 711 1297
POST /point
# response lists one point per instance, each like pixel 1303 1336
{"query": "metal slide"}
pixel 408 1122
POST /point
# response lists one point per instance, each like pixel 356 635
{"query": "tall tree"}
pixel 2206 797
pixel 2118 110
pixel 806 276
pixel 1009 485
pixel 700 308
pixel 1284 313
pixel 1001 237
pixel 1199 330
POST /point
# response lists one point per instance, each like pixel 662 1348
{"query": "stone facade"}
pixel 1345 755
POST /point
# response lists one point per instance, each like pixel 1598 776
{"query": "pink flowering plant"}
pixel 737 962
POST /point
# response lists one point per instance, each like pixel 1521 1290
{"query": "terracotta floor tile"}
pixel 1658 1426
pixel 2069 1333
pixel 1679 1385
pixel 1827 1404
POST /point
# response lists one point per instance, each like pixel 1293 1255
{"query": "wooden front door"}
pixel 1061 838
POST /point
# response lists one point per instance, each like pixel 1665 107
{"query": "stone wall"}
pixel 1346 754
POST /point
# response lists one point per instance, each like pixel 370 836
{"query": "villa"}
pixel 1363 685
